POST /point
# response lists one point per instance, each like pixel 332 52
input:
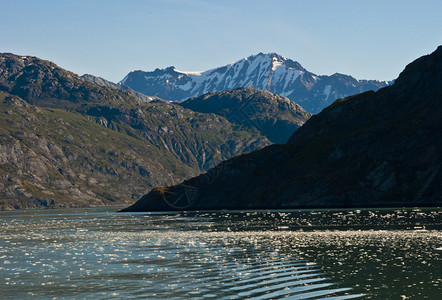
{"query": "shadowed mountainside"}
pixel 374 149
pixel 274 116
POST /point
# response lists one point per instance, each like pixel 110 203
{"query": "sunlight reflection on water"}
pixel 96 253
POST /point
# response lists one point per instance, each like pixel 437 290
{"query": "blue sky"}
pixel 109 38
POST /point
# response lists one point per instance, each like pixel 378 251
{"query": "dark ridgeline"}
pixel 68 142
pixel 374 149
pixel 271 72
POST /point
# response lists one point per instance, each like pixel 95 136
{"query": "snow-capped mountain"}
pixel 271 72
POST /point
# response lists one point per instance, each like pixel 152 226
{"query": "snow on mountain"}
pixel 271 72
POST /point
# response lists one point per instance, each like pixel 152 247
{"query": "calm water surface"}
pixel 304 254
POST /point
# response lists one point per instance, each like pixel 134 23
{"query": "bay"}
pixel 300 254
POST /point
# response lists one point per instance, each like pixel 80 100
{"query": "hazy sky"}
pixel 109 38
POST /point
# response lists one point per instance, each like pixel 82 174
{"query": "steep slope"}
pixel 373 149
pixel 270 72
pixel 198 140
pixel 54 158
pixel 275 117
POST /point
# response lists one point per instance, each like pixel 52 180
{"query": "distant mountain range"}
pixel 65 141
pixel 374 149
pixel 271 72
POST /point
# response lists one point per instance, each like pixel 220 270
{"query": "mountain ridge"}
pixel 271 72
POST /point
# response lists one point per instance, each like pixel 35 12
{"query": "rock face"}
pixel 374 149
pixel 270 72
pixel 274 116
pixel 54 158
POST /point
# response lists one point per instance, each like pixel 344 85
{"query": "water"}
pixel 307 254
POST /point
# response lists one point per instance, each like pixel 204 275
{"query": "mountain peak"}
pixel 276 56
pixel 264 57
pixel 427 70
pixel 264 71
pixel 269 54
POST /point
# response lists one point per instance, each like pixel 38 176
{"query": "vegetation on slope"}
pixel 51 157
